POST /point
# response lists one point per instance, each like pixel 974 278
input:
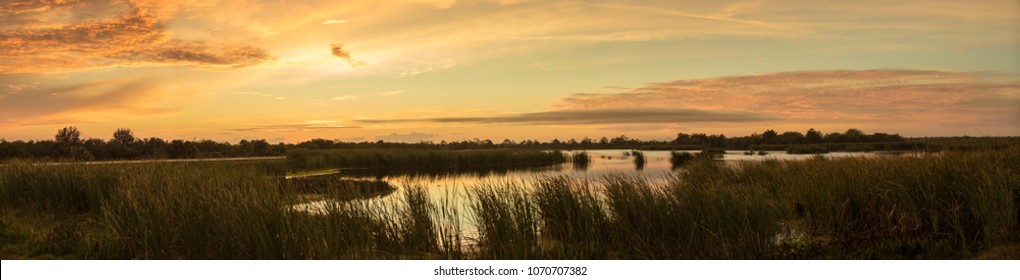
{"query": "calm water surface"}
pixel 452 188
pixel 657 168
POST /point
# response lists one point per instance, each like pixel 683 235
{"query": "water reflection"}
pixel 655 166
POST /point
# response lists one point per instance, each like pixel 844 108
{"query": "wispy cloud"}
pixel 44 104
pixel 260 94
pixel 335 21
pixel 392 92
pixel 23 6
pixel 412 137
pixel 597 117
pixel 877 96
pixel 438 4
pixel 508 2
pixel 294 127
pixel 338 51
pixel 135 38
pixel 345 97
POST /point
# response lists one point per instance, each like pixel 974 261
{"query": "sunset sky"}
pixel 452 70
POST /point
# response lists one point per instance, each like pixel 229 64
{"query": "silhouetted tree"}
pixel 98 148
pixel 124 136
pixel 834 137
pixel 80 153
pixel 682 138
pixel 853 135
pixel 813 136
pixel 68 136
pixel 768 136
pixel 789 137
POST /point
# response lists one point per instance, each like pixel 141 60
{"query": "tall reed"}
pixel 507 222
pixel 954 204
pixel 639 159
pixel 580 160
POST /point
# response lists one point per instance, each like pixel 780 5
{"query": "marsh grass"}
pixel 204 211
pixel 338 187
pixel 56 189
pixel 507 222
pixel 580 160
pixel 572 219
pixel 635 219
pixel 939 206
pixel 678 159
pixel 639 159
pixel 955 204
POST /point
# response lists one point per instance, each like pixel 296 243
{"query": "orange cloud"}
pixel 338 51
pixel 134 38
pixel 44 104
pixel 878 96
pixel 596 117
pixel 17 7
pixel 293 127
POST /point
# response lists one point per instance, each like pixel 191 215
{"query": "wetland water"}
pixel 452 186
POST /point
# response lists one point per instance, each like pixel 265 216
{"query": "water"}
pixel 451 188
pixel 617 162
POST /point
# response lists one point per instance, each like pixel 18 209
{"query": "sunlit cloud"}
pixel 596 117
pixel 872 96
pixel 294 127
pixel 137 37
pixel 76 102
pixel 508 2
pixel 338 51
pixel 191 68
pixel 345 97
pixel 16 7
pixel 412 137
pixel 439 4
pixel 260 94
pixel 392 92
pixel 335 21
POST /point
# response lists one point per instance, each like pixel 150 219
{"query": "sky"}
pixel 432 70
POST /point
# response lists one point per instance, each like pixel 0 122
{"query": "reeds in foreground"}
pixel 957 204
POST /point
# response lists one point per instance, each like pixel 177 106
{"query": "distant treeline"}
pixel 68 145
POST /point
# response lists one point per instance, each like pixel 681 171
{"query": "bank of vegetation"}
pixel 955 204
pixel 68 144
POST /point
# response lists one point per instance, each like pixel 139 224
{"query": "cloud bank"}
pixel 137 37
pixel 294 127
pixel 412 137
pixel 597 116
pixel 901 100
pixel 863 96
pixel 34 104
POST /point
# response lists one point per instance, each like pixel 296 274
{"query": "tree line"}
pixel 770 138
pixel 68 144
pixel 123 144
